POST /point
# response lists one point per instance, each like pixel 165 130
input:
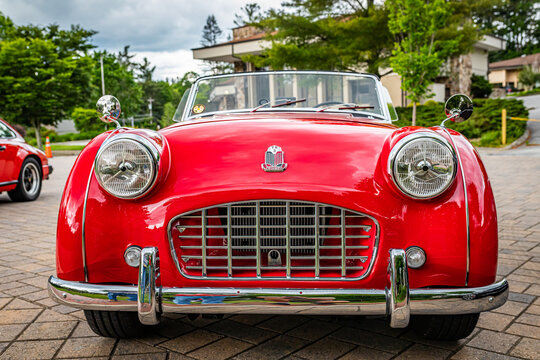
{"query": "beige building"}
pixel 249 40
pixel 506 73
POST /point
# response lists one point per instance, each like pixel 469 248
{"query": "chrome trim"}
pixel 467 220
pixel 398 292
pixel 272 154
pixel 317 244
pixel 288 236
pixel 367 272
pixel 343 244
pixel 407 139
pixel 229 241
pixel 149 289
pixel 9 183
pixel 152 150
pixel 83 226
pixel 257 243
pixel 445 301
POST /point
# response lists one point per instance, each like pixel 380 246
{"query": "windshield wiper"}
pixel 346 107
pixel 290 102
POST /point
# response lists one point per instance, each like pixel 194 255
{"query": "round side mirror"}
pixel 109 108
pixel 459 107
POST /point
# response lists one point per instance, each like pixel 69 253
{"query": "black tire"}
pixel 30 179
pixel 444 327
pixel 116 324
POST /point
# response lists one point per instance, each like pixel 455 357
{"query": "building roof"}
pixel 258 36
pixel 516 63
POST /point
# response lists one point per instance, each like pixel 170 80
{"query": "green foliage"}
pixel 525 93
pixel 87 120
pixel 211 31
pixel 419 54
pixel 119 81
pixel 325 35
pixel 480 87
pixel 528 77
pixel 490 138
pixel 44 72
pixel 486 118
pixel 54 137
pixel 250 14
pixel 514 21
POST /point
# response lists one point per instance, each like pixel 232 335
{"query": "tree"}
pixel 515 22
pixel 119 81
pixel 419 53
pixel 211 32
pixel 35 83
pixel 146 71
pixel 44 72
pixel 480 87
pixel 326 35
pixel 210 36
pixel 6 26
pixel 249 14
pixel 528 77
pixel 179 89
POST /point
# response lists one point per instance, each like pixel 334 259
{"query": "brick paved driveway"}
pixel 32 326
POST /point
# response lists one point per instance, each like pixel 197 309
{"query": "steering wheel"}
pixel 328 103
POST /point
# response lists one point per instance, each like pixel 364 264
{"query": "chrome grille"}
pixel 274 239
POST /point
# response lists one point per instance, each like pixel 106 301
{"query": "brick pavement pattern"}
pixel 32 326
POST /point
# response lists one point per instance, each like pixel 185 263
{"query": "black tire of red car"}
pixel 444 327
pixel 29 185
pixel 116 324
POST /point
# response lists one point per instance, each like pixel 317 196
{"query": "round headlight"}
pixel 423 166
pixel 126 167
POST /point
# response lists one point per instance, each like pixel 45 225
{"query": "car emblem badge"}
pixel 274 160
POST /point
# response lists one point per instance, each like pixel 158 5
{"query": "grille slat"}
pixel 274 239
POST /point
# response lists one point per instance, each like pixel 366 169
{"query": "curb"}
pixel 519 141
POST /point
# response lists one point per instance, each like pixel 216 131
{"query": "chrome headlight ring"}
pixel 423 165
pixel 127 166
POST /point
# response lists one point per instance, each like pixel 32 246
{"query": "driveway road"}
pixel 533 103
pixel 32 326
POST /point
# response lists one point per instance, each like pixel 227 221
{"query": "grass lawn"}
pixel 55 147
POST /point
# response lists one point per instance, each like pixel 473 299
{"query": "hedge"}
pixel 484 124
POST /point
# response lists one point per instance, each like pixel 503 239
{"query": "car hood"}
pixel 230 151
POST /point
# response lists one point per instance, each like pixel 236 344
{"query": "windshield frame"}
pixel 385 117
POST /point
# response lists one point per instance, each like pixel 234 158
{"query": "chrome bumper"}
pixel 397 301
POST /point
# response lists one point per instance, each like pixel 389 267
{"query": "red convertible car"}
pixel 285 192
pixel 22 167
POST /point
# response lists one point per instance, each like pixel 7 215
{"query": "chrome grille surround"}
pixel 311 237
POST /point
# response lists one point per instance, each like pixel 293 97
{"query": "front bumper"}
pixel 397 301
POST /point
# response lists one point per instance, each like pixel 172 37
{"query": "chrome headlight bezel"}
pixel 407 140
pixel 149 149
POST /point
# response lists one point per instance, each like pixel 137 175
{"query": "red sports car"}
pixel 22 167
pixel 285 192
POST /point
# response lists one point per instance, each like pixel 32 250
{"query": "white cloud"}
pixel 162 30
pixel 171 64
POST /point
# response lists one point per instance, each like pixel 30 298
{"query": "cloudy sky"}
pixel 162 30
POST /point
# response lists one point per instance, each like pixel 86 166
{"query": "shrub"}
pixel 485 118
pixel 480 87
pixel 490 138
pixel 88 120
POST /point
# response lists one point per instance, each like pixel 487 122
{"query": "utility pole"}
pixel 150 101
pixel 102 76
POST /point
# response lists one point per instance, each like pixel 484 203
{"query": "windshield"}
pixel 284 91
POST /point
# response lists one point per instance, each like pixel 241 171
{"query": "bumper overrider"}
pixel 396 301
